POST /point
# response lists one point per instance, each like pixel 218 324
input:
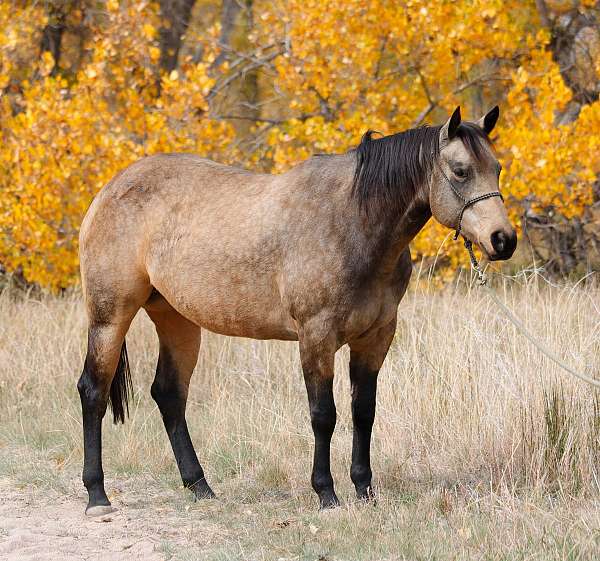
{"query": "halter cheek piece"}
pixel 466 202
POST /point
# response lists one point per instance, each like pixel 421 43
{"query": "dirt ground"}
pixel 164 524
pixel 38 526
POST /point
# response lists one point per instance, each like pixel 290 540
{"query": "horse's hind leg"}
pixel 106 355
pixel 179 346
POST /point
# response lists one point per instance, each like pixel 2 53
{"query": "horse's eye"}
pixel 460 173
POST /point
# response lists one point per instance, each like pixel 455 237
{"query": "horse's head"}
pixel 464 191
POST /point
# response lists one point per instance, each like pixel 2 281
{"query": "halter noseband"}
pixel 466 202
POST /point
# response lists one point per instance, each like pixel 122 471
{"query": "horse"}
pixel 318 254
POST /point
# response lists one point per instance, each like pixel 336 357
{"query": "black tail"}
pixel 121 388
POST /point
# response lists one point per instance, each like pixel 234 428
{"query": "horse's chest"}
pixel 370 309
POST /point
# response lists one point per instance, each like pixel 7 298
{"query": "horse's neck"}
pixel 394 234
pixel 376 243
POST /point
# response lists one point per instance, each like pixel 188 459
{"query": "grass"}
pixel 482 448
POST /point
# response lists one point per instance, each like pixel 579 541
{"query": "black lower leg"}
pixel 171 399
pixel 364 390
pixel 323 417
pixel 94 399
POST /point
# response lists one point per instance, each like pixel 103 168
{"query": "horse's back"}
pixel 176 173
pixel 153 187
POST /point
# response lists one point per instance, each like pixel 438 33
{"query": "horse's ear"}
pixel 448 131
pixel 489 120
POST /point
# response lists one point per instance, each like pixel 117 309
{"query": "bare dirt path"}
pixel 41 525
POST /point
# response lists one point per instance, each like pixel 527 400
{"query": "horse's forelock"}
pixel 475 139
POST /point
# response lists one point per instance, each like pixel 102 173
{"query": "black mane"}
pixel 390 170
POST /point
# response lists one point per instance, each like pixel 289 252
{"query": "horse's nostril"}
pixel 504 244
pixel 499 239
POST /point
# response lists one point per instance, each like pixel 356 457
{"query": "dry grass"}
pixel 482 448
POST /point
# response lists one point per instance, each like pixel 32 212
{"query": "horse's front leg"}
pixel 366 357
pixel 317 352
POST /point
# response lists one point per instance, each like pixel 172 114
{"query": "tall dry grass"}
pixel 466 406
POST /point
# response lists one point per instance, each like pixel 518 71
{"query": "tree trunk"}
pixel 230 11
pixel 176 19
pixel 53 33
pixel 573 35
pixel 236 26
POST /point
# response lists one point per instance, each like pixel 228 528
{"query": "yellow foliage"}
pixel 70 139
pixel 343 67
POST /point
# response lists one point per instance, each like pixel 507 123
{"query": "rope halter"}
pixel 466 202
pixel 482 279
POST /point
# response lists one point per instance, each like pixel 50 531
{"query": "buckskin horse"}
pixel 317 255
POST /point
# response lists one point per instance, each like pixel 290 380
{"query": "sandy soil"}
pixel 36 526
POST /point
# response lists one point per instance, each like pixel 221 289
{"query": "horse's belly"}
pixel 245 312
pixel 259 326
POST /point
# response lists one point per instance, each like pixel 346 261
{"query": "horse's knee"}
pixel 364 391
pixel 92 391
pixel 166 395
pixel 323 417
pixel 317 356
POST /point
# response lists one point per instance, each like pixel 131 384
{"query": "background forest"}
pixel 88 86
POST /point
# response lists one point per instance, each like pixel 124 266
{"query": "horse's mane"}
pixel 390 170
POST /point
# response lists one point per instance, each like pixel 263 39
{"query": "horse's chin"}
pixel 485 254
pixel 490 256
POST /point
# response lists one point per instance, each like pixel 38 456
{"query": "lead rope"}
pixel 482 281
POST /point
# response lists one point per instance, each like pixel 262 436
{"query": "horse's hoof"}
pixel 203 491
pixel 99 510
pixel 366 494
pixel 328 500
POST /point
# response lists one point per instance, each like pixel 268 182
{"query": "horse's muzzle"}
pixel 504 244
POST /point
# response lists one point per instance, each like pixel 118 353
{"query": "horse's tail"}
pixel 121 388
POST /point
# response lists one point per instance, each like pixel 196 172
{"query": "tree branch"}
pixel 543 12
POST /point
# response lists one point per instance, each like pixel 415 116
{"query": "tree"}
pixel 176 19
pixel 69 137
pixel 568 244
pixel 53 32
